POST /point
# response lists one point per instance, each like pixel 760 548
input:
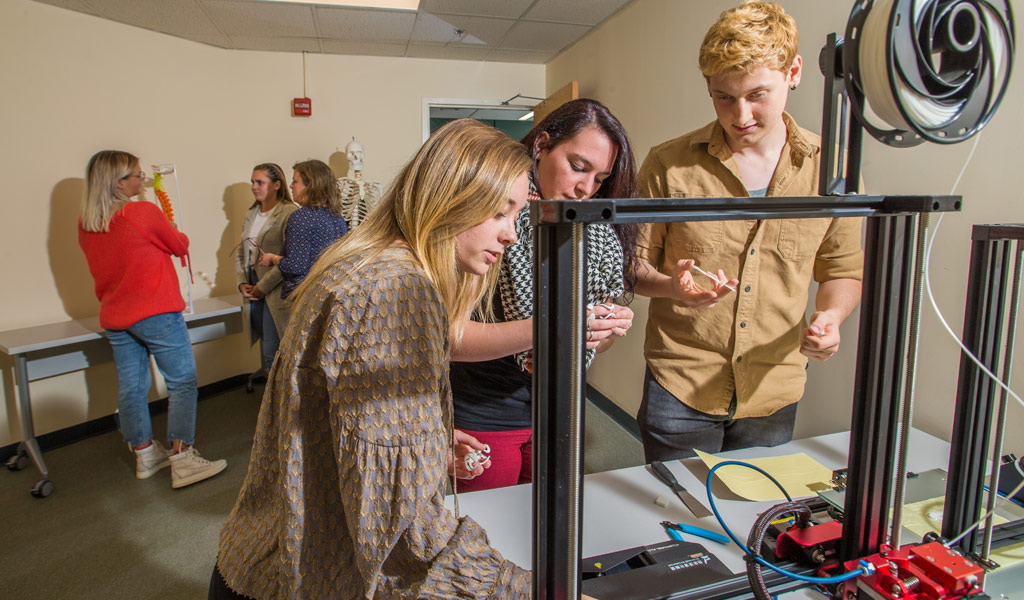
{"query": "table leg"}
pixel 29 444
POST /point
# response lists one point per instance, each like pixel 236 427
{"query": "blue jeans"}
pixel 164 336
pixel 263 321
pixel 670 429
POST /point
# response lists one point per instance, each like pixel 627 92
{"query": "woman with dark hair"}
pixel 312 228
pixel 580 151
pixel 263 231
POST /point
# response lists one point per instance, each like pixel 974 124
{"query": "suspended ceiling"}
pixel 521 31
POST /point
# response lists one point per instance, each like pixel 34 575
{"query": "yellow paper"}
pixel 800 474
pixel 926 515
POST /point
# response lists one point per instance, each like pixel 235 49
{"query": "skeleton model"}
pixel 358 196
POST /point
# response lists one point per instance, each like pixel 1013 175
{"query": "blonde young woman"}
pixel 263 230
pixel 312 228
pixel 128 246
pixel 344 497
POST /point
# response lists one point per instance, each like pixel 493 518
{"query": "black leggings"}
pixel 219 589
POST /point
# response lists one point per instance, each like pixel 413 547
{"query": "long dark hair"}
pixel 565 123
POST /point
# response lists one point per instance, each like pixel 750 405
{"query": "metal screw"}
pixel 896 590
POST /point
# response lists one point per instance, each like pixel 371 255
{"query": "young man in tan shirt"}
pixel 725 370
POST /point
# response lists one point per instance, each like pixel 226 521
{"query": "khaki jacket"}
pixel 269 239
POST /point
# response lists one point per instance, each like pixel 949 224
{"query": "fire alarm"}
pixel 302 107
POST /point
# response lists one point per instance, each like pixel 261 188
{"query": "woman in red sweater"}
pixel 128 246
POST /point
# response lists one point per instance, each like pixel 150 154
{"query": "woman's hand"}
pixel 605 322
pixel 247 291
pixel 268 260
pixel 463 445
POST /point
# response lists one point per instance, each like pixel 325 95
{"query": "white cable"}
pixel 931 296
pixel 984 369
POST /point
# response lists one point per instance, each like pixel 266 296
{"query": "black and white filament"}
pixel 931 70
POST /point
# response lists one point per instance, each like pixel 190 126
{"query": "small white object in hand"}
pixel 712 277
pixel 476 457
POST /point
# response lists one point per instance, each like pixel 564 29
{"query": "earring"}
pixel 792 87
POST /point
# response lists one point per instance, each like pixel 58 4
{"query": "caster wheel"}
pixel 42 488
pixel 17 462
pixel 249 387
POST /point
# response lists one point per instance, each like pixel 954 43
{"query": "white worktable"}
pixel 57 348
pixel 619 510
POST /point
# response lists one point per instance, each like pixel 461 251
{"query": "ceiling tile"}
pixel 489 8
pixel 476 30
pixel 276 44
pixel 365 25
pixel 254 19
pixel 553 37
pixel 219 40
pixel 447 52
pixel 77 5
pixel 169 16
pixel 590 12
pixel 362 48
pixel 519 56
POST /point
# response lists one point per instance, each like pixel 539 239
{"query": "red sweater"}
pixel 131 265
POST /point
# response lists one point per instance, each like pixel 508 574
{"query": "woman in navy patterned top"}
pixel 313 227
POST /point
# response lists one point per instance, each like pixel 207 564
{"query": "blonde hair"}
pixel 462 176
pixel 751 35
pixel 102 198
pixel 321 186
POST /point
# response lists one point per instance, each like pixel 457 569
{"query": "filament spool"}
pixel 931 70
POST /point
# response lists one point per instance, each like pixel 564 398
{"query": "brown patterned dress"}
pixel 344 497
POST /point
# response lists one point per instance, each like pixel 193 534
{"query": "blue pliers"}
pixel 676 531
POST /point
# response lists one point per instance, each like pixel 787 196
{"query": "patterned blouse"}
pixel 309 232
pixel 344 497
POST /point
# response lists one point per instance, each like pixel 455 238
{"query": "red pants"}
pixel 511 460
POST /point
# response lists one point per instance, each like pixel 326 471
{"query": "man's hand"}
pixel 257 293
pixel 686 290
pixel 464 444
pixel 821 338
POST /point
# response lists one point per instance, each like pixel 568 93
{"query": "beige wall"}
pixel 74 84
pixel 642 64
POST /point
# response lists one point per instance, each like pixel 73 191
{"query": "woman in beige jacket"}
pixel 263 231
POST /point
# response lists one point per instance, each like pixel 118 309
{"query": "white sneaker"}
pixel 188 467
pixel 150 460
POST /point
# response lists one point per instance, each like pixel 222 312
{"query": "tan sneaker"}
pixel 150 460
pixel 187 467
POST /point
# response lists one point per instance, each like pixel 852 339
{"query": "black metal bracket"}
pixel 880 358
